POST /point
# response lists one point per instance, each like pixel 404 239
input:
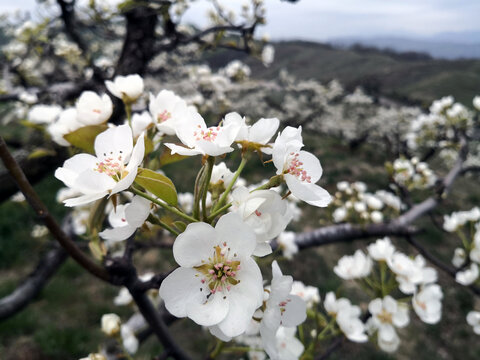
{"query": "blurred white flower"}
pixel 128 88
pixel 286 242
pixel 468 276
pixel 93 109
pixel 427 303
pixel 111 324
pixel 473 319
pixel 353 267
pixel 43 114
pixel 381 250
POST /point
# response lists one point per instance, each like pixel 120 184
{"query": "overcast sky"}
pixel 326 19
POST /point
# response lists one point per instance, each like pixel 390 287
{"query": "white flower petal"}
pixel 180 289
pixel 195 244
pixel 211 312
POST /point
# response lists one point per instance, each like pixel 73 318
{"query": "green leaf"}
pixel 84 138
pixel 167 158
pixel 158 184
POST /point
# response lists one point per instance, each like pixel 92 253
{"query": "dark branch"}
pixel 348 232
pixel 157 325
pixel 26 292
pixel 138 46
pixel 438 263
pixel 42 212
pixel 35 170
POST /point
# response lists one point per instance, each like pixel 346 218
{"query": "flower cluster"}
pixel 466 224
pixel 353 203
pixel 220 228
pixel 380 272
pixel 411 173
pixel 440 126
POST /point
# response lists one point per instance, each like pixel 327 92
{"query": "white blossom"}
pixel 353 267
pixel 427 303
pixel 347 317
pixel 281 309
pixel 106 173
pixel 308 293
pixel 128 88
pixel 300 169
pixel 43 114
pixel 199 139
pixel 268 55
pixel 111 324
pixel 459 257
pixel 381 250
pixel 67 122
pixel 473 319
pixel 218 284
pixel 265 212
pixel 126 219
pixel 168 110
pixel 468 276
pixel 93 109
pixel 286 242
pixel 386 315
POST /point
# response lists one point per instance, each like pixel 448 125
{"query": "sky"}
pixel 329 19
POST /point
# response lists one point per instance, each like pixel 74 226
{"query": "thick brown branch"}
pixel 42 212
pixel 138 46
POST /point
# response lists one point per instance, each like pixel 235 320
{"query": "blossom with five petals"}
pixel 218 284
pixel 106 173
pixel 200 139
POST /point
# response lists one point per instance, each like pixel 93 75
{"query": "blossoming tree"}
pixel 226 234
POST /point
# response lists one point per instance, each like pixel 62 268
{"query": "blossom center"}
pixel 295 168
pixel 112 167
pixel 209 134
pixel 164 116
pixel 385 317
pixel 219 273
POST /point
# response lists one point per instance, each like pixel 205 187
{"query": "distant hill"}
pixel 442 46
pixel 410 77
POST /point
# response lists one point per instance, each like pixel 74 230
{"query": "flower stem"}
pixel 219 211
pixel 218 349
pixel 206 183
pixel 155 220
pixel 163 205
pixel 232 183
pixel 274 181
pixel 196 193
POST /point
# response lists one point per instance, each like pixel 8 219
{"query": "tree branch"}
pixel 42 212
pixel 438 263
pixel 348 232
pixel 38 278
